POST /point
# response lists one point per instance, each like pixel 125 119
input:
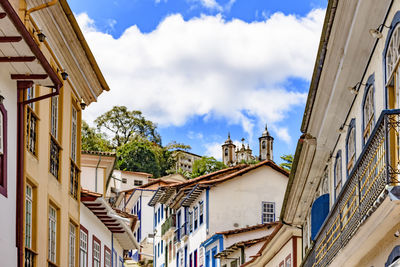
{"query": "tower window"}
pixel 226 152
pixel 263 145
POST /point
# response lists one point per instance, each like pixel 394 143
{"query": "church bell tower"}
pixel 266 145
pixel 228 152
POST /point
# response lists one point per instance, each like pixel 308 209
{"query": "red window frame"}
pixel 83 229
pixel 3 157
pixel 109 251
pixel 95 239
pixel 287 258
pixel 282 264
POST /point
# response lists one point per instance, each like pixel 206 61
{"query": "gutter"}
pixel 72 20
pixel 292 175
pixel 319 62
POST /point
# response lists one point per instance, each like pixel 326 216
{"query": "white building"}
pixel 126 180
pixel 105 233
pixel 241 245
pixel 134 201
pixel 185 160
pixel 344 188
pixel 189 213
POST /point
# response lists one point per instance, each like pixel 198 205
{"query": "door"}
pixel 178 226
pixel 213 259
pixel 208 259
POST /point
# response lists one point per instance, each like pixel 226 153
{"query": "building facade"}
pixel 187 215
pixel 343 191
pixel 48 81
pixel 185 160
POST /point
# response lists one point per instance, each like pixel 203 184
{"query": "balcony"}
pixel 363 191
pixel 181 233
pixel 170 223
pixel 29 257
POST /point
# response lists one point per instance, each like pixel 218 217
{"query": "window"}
pixel 268 212
pixel 115 259
pixel 234 263
pixel 226 152
pixel 392 54
pixel 28 215
pixel 72 242
pixel 54 144
pixel 351 146
pixel 107 257
pixel 3 150
pixel 201 212
pixel 196 217
pixel 83 247
pixel 368 112
pixel 96 252
pixel 121 262
pixel 31 131
pixel 263 145
pixel 52 234
pixel 138 183
pixel 190 222
pixel 74 172
pixel 338 173
pixel 288 261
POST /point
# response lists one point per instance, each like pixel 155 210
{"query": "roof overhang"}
pixel 20 52
pixel 117 224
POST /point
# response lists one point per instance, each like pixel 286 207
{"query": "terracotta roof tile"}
pixel 102 153
pixel 249 228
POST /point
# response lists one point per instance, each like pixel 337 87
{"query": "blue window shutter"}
pixel 319 211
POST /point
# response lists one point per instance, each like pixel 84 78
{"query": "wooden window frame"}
pixel 30 199
pixel 51 206
pixel 289 257
pixel 72 256
pixel 96 240
pixel 107 249
pixel 3 153
pixel 83 229
pixel 338 174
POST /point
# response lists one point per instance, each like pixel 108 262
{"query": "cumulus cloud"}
pixel 207 66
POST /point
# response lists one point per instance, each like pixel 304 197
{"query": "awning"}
pixel 118 224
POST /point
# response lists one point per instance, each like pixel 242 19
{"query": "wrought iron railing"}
pixel 29 257
pixel 169 223
pixel 375 168
pixel 181 232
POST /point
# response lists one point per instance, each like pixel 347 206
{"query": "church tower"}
pixel 266 145
pixel 228 152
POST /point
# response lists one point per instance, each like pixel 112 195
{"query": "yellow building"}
pixel 56 75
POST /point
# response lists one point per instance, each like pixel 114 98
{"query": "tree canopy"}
pixel 134 139
pixel 288 161
pixel 206 165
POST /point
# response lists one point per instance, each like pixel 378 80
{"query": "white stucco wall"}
pixel 237 203
pixel 88 179
pixel 8 251
pixel 284 252
pixel 97 228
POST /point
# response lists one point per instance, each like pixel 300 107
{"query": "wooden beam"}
pixel 10 39
pixel 3 15
pixel 118 232
pixel 17 59
pixel 28 76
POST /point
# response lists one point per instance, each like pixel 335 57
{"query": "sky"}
pixel 202 68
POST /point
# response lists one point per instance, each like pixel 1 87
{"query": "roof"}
pixel 187 192
pixel 249 228
pixel 120 223
pixel 267 240
pixel 72 20
pixel 139 173
pixel 247 243
pixel 319 62
pixel 155 181
pixel 99 153
pixel 187 152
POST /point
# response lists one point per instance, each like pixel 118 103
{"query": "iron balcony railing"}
pixel 181 232
pixel 29 257
pixel 376 167
pixel 168 224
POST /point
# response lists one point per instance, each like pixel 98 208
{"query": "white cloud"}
pixel 192 135
pixel 207 66
pixel 214 150
pixel 211 4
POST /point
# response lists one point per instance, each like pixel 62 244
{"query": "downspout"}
pixel 39 7
pixel 95 182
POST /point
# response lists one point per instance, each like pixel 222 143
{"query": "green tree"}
pixel 92 140
pixel 288 161
pixel 206 165
pixel 125 125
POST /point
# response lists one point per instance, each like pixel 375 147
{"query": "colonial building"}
pixel 47 76
pixel 185 160
pixel 188 214
pixel 134 201
pixel 232 155
pixel 344 190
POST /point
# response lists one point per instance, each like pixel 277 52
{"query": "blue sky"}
pixel 203 68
